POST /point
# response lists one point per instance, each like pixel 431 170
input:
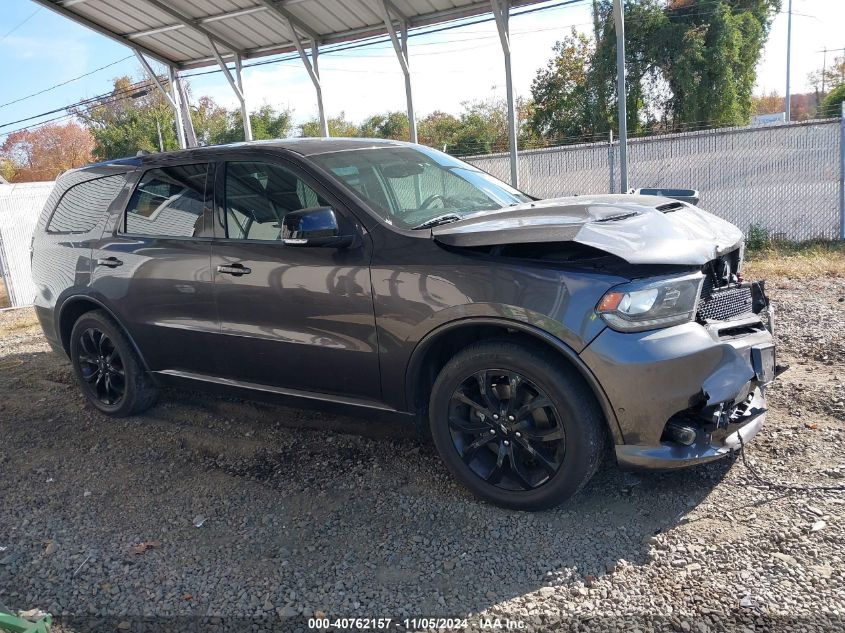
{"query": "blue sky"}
pixel 44 49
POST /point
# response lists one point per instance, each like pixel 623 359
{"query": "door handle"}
pixel 235 270
pixel 111 262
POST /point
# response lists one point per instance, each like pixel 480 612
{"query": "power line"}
pixel 64 83
pixel 20 24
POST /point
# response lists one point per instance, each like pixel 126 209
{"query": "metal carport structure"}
pixel 187 34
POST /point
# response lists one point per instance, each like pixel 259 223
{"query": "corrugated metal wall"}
pixel 20 206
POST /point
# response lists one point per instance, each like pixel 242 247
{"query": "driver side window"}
pixel 259 195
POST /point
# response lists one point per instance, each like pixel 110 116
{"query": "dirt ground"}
pixel 304 513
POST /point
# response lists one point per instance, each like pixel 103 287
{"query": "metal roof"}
pixel 177 32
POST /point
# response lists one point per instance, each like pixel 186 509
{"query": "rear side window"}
pixel 168 202
pixel 83 205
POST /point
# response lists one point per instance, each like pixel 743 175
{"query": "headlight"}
pixel 652 303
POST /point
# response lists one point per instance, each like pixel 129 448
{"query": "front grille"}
pixel 722 295
pixel 720 304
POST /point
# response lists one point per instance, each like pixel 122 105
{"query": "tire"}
pixel 108 368
pixel 504 471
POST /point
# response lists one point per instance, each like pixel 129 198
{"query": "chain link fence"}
pixel 782 178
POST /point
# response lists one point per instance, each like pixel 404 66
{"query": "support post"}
pixel 187 122
pixel 401 50
pixel 619 23
pixel 313 69
pixel 501 11
pixel 236 83
pixel 170 97
pixel 177 109
pixel 842 173
pixel 788 59
pixel 244 111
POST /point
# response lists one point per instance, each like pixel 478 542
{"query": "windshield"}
pixel 413 187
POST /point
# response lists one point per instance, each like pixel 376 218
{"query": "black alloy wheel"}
pixel 101 367
pixel 516 424
pixel 108 368
pixel 506 429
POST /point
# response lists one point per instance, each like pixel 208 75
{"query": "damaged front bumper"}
pixel 684 395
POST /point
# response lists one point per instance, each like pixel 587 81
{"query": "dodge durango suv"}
pixel 390 280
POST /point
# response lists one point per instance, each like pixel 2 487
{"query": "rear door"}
pixel 291 317
pixel 152 267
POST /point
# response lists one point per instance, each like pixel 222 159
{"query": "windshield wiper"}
pixel 446 218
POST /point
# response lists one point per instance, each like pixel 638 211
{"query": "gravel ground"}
pixel 304 513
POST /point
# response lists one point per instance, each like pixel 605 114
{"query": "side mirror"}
pixel 316 226
pixel 684 195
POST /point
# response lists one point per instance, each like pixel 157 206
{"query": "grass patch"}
pixel 4 296
pixel 18 322
pixel 766 257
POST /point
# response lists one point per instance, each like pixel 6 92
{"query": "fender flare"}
pixel 102 306
pixel 414 365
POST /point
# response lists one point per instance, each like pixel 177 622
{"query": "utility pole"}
pixel 788 59
pixel 619 23
pixel 824 69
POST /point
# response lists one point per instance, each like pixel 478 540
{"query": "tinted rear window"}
pixel 83 205
pixel 168 202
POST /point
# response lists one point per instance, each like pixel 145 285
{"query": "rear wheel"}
pixel 515 425
pixel 108 368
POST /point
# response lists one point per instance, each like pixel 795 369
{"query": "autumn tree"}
pixel 44 152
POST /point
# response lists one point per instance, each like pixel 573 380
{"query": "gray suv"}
pixel 391 280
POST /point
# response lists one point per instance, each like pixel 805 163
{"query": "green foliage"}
pixel 129 120
pixel 832 105
pixel 391 125
pixel 688 63
pixel 758 238
pixel 338 126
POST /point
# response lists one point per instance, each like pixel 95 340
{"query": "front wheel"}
pixel 515 424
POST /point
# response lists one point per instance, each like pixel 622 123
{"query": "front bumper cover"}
pixel 649 377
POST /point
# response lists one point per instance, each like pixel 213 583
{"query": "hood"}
pixel 639 229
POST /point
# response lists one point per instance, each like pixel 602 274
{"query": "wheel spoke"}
pixel 101 346
pixel 467 426
pixel 495 475
pixel 87 342
pixel 87 358
pixel 484 386
pixel 553 434
pixel 516 468
pixel 460 396
pixel 472 448
pixel 547 465
pixel 539 402
pixel 90 377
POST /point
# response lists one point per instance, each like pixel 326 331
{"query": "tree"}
pixel 130 119
pixel 834 74
pixel 45 152
pixel 438 129
pixel 688 63
pixel 770 103
pixel 565 99
pixel 391 125
pixel 216 125
pixel 832 104
pixel 338 126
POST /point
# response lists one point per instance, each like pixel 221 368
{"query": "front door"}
pixel 296 317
